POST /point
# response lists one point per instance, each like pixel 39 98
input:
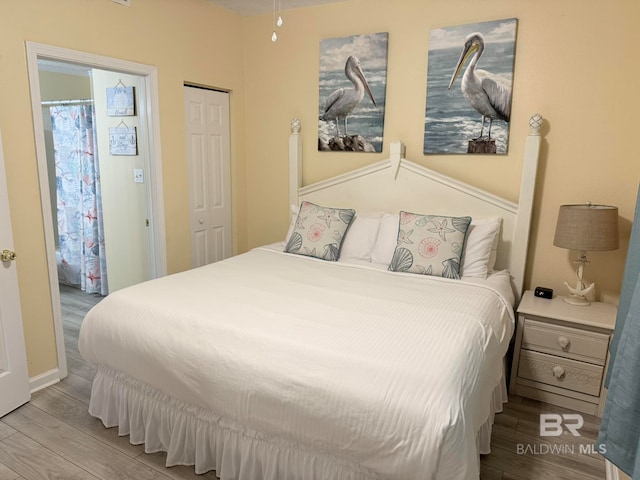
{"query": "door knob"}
pixel 7 256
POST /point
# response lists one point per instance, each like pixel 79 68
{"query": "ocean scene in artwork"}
pixel 365 118
pixel 451 121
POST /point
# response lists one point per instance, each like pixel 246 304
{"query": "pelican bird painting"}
pixel 489 94
pixel 343 101
pixel 350 104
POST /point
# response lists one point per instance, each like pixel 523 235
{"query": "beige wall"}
pixel 188 41
pixel 62 86
pixel 575 64
pixel 124 202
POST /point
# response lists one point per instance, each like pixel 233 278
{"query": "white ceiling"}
pixel 256 7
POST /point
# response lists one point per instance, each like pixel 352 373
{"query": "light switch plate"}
pixel 138 175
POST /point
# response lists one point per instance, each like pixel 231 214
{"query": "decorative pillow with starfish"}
pixel 319 231
pixel 430 244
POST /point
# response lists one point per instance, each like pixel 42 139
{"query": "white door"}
pixel 209 160
pixel 14 377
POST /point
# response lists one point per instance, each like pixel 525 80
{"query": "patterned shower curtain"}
pixel 81 252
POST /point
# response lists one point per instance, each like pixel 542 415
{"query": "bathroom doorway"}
pixel 77 97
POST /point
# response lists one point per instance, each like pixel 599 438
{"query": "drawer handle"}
pixel 563 342
pixel 558 372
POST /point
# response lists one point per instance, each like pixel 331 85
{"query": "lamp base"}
pixel 577 300
pixel 579 294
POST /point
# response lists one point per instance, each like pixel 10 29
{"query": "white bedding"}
pixel 335 370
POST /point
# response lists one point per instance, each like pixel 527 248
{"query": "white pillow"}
pixel 480 251
pixel 361 237
pixel 385 245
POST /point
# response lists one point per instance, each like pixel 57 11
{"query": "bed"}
pixel 291 362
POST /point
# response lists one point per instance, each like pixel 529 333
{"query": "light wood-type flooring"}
pixel 53 436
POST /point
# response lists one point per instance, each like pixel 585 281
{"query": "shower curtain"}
pixel 81 251
pixel 620 429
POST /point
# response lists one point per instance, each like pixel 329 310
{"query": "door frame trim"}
pixel 150 107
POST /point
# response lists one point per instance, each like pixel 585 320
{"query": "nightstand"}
pixel 561 352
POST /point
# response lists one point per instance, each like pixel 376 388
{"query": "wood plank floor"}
pixel 53 436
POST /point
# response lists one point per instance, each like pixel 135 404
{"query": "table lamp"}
pixel 585 227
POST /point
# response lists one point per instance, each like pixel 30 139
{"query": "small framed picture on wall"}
pixel 123 140
pixel 121 101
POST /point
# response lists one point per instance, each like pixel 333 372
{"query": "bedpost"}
pixel 525 203
pixel 295 161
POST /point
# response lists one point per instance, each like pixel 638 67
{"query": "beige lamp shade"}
pixel 587 227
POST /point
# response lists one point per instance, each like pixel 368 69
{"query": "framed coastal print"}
pixel 120 101
pixel 123 140
pixel 352 83
pixel 469 88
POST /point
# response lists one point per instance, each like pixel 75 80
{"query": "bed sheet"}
pixel 383 374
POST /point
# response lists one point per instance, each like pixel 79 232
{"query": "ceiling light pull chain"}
pixel 276 23
pixel 279 22
pixel 274 36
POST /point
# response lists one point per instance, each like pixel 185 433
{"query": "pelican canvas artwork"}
pixel 469 82
pixel 352 82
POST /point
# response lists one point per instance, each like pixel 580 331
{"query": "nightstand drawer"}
pixel 565 341
pixel 560 372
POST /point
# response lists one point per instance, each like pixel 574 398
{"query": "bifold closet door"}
pixel 208 151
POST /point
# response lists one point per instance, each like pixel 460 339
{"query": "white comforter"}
pixel 386 375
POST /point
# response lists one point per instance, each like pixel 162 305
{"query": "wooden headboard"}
pixel 398 184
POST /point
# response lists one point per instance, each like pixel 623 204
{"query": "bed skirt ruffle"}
pixel 191 435
pixel 498 399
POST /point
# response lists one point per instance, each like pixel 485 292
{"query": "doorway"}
pixel 129 174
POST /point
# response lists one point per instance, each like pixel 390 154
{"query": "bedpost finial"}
pixel 296 125
pixel 535 122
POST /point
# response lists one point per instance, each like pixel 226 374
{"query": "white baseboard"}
pixel 44 380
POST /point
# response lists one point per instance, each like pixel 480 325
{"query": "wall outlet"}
pixel 138 175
